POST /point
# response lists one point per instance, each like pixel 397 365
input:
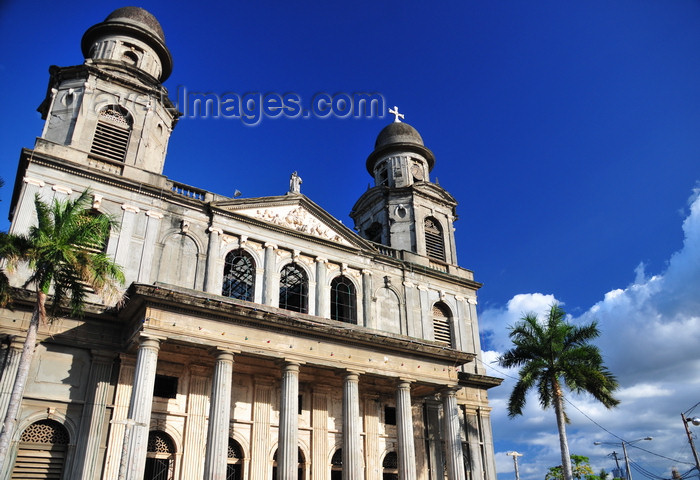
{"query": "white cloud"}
pixel 649 339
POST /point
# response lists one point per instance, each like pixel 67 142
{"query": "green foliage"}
pixel 552 353
pixel 581 469
pixel 64 251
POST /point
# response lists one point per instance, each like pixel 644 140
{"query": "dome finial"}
pixel 397 116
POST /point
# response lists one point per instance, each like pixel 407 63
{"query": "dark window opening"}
pixel 434 242
pixel 165 386
pixel 389 415
pixel 374 232
pixel 294 289
pixel 390 467
pixel 337 465
pixel 239 276
pixel 343 300
pixel 160 464
pixel 234 461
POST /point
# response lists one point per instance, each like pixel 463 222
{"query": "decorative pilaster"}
pixel 212 273
pixel 269 275
pixel 115 441
pixel 370 321
pixel 288 443
pixel 149 245
pixel 138 421
pixel 451 435
pixel 121 257
pixel 219 418
pixel 352 443
pixel 93 418
pixel 322 290
pixel 11 354
pixel 373 469
pixel 259 449
pixel 319 433
pixel 25 214
pixel 404 430
pixel 473 439
pixel 196 426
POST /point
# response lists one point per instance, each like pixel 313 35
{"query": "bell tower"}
pixel 405 210
pixel 112 113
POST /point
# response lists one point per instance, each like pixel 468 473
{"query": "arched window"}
pixel 390 467
pixel 234 461
pixel 42 451
pixel 343 300
pixel 434 241
pixel 160 457
pixel 239 275
pixel 294 288
pixel 337 465
pixel 442 328
pixel 112 133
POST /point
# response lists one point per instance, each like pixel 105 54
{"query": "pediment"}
pixel 295 212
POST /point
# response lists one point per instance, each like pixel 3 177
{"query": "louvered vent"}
pixel 441 325
pixel 434 243
pixel 111 135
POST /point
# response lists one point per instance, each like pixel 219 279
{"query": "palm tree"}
pixel 553 354
pixel 63 251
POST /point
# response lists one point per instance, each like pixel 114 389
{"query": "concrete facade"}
pixel 190 379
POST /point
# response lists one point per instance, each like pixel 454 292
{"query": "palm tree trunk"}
pixel 561 424
pixel 25 361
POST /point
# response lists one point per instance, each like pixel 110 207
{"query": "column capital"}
pixel 321 260
pixel 33 181
pixel 352 374
pixel 154 214
pixel 62 189
pixel 291 365
pixel 271 245
pixel 224 353
pixel 215 230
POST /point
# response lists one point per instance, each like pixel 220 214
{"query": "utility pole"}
pixel 695 421
pixel 515 456
pixel 627 462
pixel 617 462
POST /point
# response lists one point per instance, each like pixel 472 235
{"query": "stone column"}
pixel 212 272
pixel 138 421
pixel 322 304
pixel 11 354
pixel 373 467
pixel 487 436
pixel 269 275
pixel 451 435
pixel 219 418
pixel 93 418
pixel 288 443
pixel 404 430
pixel 352 441
pixel 370 321
pixel 473 439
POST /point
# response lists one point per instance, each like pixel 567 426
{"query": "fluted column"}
pixel 352 443
pixel 195 435
pixel 138 421
pixel 93 418
pixel 404 429
pixel 219 418
pixel 288 443
pixel 451 435
pixel 212 272
pixel 269 275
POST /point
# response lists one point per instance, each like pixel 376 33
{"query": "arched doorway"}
pixel 234 462
pixel 160 457
pixel 390 467
pixel 337 465
pixel 42 451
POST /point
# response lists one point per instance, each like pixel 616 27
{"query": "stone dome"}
pixel 132 22
pixel 398 133
pixel 398 137
pixel 138 16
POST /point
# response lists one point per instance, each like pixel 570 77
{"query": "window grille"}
pixel 160 464
pixel 234 461
pixel 41 451
pixel 434 241
pixel 441 324
pixel 294 289
pixel 390 466
pixel 112 133
pixel 239 275
pixel 343 300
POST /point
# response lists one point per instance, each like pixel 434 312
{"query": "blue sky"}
pixel 568 131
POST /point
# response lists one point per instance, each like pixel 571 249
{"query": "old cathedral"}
pixel 260 338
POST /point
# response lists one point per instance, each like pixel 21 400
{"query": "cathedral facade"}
pixel 260 338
